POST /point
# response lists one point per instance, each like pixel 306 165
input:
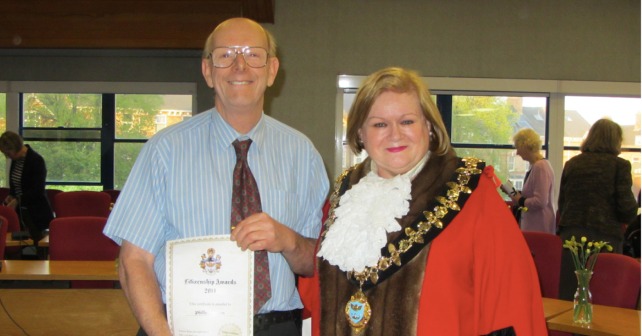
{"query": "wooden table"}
pixel 70 312
pixel 554 307
pixel 58 270
pixel 26 242
pixel 606 321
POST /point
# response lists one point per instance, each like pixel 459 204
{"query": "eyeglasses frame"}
pixel 239 50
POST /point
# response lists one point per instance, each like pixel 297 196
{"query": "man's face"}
pixel 240 87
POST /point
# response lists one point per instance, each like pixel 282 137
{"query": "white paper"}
pixel 209 287
pixel 508 188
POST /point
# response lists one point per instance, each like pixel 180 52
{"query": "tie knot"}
pixel 241 148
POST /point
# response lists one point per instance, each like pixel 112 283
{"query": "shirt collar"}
pixel 225 134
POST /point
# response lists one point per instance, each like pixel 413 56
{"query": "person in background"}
pixel 595 195
pixel 418 241
pixel 537 195
pixel 181 185
pixel 27 177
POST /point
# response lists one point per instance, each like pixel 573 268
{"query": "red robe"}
pixel 479 278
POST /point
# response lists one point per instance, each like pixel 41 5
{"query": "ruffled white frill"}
pixel 365 214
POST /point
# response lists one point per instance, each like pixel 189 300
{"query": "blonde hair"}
pixel 529 139
pixel 401 81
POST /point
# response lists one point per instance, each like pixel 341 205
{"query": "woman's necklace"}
pixel 358 310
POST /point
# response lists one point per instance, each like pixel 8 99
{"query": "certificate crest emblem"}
pixel 358 311
pixel 210 261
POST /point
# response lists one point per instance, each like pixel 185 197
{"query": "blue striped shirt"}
pixel 181 186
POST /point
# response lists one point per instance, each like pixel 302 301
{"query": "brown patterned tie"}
pixel 246 201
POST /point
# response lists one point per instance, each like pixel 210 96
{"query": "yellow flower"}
pixel 582 251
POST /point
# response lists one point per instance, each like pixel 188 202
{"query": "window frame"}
pixel 109 90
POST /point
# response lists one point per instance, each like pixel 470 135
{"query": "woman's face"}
pixel 524 153
pixel 395 134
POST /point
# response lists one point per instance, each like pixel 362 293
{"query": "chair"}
pixel 51 196
pixel 113 193
pixel 4 192
pixel 3 235
pixel 616 280
pixel 13 225
pixel 546 249
pixel 82 203
pixel 81 238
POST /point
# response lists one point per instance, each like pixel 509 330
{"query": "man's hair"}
pixel 271 41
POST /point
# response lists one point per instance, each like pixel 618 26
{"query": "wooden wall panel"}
pixel 140 24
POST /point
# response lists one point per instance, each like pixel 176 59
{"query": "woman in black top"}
pixel 27 178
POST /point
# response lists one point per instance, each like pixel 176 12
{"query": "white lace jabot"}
pixel 366 213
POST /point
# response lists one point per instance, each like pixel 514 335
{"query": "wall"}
pixel 588 40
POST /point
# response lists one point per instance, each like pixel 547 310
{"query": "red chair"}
pixel 13 225
pixel 113 193
pixel 3 235
pixel 51 196
pixel 616 281
pixel 4 192
pixel 546 249
pixel 81 238
pixel 82 203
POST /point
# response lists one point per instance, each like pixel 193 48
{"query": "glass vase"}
pixel 582 301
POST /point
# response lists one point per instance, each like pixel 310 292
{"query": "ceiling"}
pixel 120 24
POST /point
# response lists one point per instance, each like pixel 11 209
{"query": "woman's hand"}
pixel 10 201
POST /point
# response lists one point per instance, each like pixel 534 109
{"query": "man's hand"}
pixel 261 232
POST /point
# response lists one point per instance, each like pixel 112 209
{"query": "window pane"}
pixel 581 112
pixel 70 161
pixel 125 155
pixel 140 116
pixel 69 110
pixel 494 119
pixel 74 187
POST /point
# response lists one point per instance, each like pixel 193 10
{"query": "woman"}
pixel 27 177
pixel 407 248
pixel 595 195
pixel 537 194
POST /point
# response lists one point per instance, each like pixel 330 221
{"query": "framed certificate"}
pixel 209 287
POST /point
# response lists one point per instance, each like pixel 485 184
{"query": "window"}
pixel 90 140
pixel 580 112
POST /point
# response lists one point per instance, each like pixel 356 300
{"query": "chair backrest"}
pixel 546 249
pixel 113 193
pixel 616 280
pixel 80 238
pixel 4 192
pixel 82 203
pixel 51 196
pixel 3 235
pixel 11 216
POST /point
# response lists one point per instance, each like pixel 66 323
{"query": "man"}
pixel 181 184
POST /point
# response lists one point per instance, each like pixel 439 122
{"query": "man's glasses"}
pixel 223 57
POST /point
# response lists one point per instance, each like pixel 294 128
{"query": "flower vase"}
pixel 583 301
